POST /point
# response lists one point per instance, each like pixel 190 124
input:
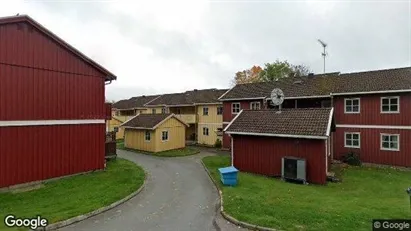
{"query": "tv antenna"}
pixel 277 97
pixel 324 52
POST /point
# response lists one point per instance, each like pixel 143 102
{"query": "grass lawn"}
pixel 66 198
pixel 364 194
pixel 187 151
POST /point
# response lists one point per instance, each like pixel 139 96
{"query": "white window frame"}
pixel 145 136
pixel 167 136
pixel 255 103
pixel 352 112
pixel 205 109
pixel 352 133
pixel 390 149
pixel 163 110
pixel 389 104
pixel 206 129
pixel 232 108
pixel 222 110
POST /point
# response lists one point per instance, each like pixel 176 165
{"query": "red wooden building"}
pixel 52 105
pixel 371 110
pixel 261 138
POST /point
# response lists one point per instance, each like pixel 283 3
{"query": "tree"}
pixel 282 69
pixel 251 75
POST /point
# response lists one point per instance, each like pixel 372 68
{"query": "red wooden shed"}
pixel 52 105
pixel 261 138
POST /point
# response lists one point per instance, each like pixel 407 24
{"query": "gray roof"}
pixel 295 122
pixel 325 84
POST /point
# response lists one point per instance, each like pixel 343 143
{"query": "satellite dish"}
pixel 277 96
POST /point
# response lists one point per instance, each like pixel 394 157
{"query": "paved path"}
pixel 178 196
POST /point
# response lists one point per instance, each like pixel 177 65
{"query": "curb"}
pixel 228 217
pixel 79 218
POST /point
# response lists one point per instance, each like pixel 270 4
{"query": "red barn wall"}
pixel 370 146
pixel 41 80
pixel 262 155
pixel 370 111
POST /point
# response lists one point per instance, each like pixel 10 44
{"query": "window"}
pixel 205 131
pixel 390 104
pixel 164 136
pixel 153 111
pixel 163 110
pixel 205 111
pixel 390 142
pixel 219 110
pixel 178 111
pixel 255 106
pixel 352 140
pixel 147 136
pixel 235 108
pixel 352 105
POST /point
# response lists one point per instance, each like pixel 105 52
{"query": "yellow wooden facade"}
pixel 213 122
pixel 116 121
pixel 135 138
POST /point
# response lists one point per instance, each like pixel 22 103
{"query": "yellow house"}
pixel 201 109
pixel 210 123
pixel 115 122
pixel 154 132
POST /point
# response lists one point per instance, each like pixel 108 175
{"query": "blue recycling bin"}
pixel 228 175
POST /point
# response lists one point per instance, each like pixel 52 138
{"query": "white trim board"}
pixel 279 135
pixel 371 92
pixel 372 126
pixel 330 118
pixel 22 123
pixel 210 123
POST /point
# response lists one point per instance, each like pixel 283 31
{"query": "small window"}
pixel 352 105
pixel 255 106
pixel 163 110
pixel 390 104
pixel 153 111
pixel 205 111
pixel 219 110
pixel 205 131
pixel 352 140
pixel 164 136
pixel 147 136
pixel 390 142
pixel 235 108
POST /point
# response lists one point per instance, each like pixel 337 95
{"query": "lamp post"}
pixel 409 194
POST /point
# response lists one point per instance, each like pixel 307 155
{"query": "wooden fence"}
pixel 111 145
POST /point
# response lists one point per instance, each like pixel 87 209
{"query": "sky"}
pixel 156 47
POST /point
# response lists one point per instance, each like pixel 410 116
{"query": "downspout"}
pixel 332 135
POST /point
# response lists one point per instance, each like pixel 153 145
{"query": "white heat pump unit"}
pixel 293 168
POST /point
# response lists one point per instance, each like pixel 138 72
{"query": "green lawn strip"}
pixel 187 151
pixel 73 196
pixel 364 194
pixel 120 144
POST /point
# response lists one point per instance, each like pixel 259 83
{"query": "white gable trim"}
pixel 372 126
pixel 225 129
pixel 330 122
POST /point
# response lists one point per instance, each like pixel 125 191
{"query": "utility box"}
pixel 228 175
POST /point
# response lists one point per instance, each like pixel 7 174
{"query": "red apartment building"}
pixel 371 110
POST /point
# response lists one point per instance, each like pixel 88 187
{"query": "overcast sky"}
pixel 169 46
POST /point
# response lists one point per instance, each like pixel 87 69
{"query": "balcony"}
pixel 187 118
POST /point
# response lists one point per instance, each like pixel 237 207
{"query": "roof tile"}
pixel 304 122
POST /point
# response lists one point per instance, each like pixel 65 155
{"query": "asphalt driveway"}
pixel 178 196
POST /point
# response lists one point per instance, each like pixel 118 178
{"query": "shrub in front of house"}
pixel 352 158
pixel 218 143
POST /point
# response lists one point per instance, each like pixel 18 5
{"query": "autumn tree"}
pixel 251 75
pixel 282 69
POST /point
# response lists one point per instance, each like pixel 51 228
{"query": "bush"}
pixel 352 158
pixel 218 143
